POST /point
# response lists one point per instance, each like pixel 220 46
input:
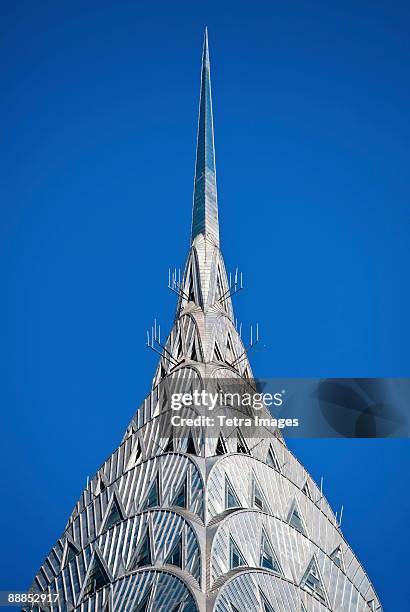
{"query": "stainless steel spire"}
pixel 205 208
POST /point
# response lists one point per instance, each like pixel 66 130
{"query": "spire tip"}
pixel 206 41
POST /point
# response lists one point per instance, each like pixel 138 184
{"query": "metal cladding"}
pixel 198 520
pixel 205 209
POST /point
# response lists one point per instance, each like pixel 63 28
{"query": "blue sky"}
pixel 98 119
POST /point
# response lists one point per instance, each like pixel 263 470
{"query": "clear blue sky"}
pixel 98 118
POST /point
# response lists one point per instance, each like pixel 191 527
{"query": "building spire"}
pixel 179 468
pixel 205 207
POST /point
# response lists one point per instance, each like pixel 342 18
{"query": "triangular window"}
pixel 271 459
pixel 180 498
pixel 337 557
pixel 241 446
pixel 152 498
pixel 219 285
pixel 266 607
pixel 180 351
pixel 231 499
pixel 169 447
pixel 220 446
pixel 100 486
pixel 236 559
pixel 302 607
pixel 137 455
pixel 258 498
pixel 194 356
pixel 191 291
pixel 96 578
pixel 234 608
pixel 71 551
pixel 142 606
pixel 295 519
pixel 268 558
pixel 306 490
pixel 114 516
pixel 143 555
pixel 162 371
pixel 312 582
pixel 217 353
pixel 175 556
pixel 230 355
pixel 190 446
